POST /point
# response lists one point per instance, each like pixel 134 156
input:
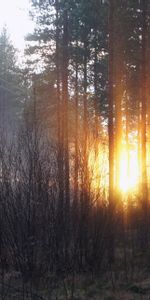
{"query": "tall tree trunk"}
pixel 96 127
pixel 85 117
pixel 65 103
pixel 60 140
pixel 139 146
pixel 111 132
pixel 127 132
pixel 119 90
pixel 59 113
pixel 76 134
pixel 65 96
pixel 85 203
pixel 75 208
pixel 143 124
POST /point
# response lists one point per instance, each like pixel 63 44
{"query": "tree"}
pixel 12 90
pixel 144 6
pixel 111 131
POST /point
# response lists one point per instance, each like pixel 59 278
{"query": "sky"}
pixel 14 14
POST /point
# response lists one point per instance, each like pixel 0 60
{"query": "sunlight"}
pixel 99 169
pixel 129 171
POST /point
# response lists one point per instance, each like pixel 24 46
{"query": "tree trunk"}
pixel 111 133
pixel 65 96
pixel 143 125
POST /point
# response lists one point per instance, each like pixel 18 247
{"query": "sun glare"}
pixel 98 169
pixel 129 171
pixel 128 174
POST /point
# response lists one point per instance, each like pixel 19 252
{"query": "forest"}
pixel 75 153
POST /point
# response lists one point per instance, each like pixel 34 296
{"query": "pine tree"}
pixel 12 90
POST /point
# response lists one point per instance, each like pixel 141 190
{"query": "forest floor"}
pixel 104 291
pixel 95 290
pixel 112 286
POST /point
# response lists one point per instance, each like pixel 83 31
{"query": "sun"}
pixel 129 171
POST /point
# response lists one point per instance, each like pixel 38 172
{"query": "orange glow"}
pixel 129 171
pixel 99 169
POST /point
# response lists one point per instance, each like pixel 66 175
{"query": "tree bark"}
pixel 111 132
pixel 144 124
